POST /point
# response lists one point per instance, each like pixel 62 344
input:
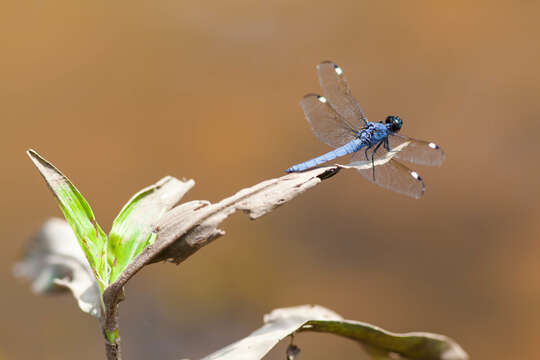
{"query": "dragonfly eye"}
pixel 394 123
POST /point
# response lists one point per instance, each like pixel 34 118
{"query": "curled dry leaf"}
pixel 190 226
pixel 54 262
pixel 379 343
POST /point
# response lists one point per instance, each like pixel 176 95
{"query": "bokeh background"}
pixel 119 94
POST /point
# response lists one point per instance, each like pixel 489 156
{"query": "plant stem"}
pixel 110 326
pixel 113 350
pixel 112 338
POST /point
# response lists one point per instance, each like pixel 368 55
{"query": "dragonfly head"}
pixel 393 123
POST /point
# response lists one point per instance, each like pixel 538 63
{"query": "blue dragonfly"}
pixel 338 120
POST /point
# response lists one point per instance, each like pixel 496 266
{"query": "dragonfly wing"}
pixel 336 90
pixel 389 173
pixel 416 151
pixel 328 125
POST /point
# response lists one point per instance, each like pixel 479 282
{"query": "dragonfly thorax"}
pixel 393 123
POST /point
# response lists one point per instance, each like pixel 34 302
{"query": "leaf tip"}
pixel 32 154
pixel 35 157
pixel 454 352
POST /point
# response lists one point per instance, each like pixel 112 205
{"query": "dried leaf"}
pixel 379 343
pixel 54 262
pixel 187 228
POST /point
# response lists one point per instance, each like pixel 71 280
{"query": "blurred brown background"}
pixel 119 94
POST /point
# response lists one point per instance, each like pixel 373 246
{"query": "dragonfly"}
pixel 338 120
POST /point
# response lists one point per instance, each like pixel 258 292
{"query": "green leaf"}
pixel 80 217
pixel 132 229
pixel 379 344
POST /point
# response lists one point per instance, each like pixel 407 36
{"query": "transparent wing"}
pixel 336 90
pixel 328 125
pixel 416 151
pixel 389 173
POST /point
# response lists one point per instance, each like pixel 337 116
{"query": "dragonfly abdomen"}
pixel 348 148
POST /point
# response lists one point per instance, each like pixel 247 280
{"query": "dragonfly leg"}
pixel 386 144
pixel 373 157
pixel 365 152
